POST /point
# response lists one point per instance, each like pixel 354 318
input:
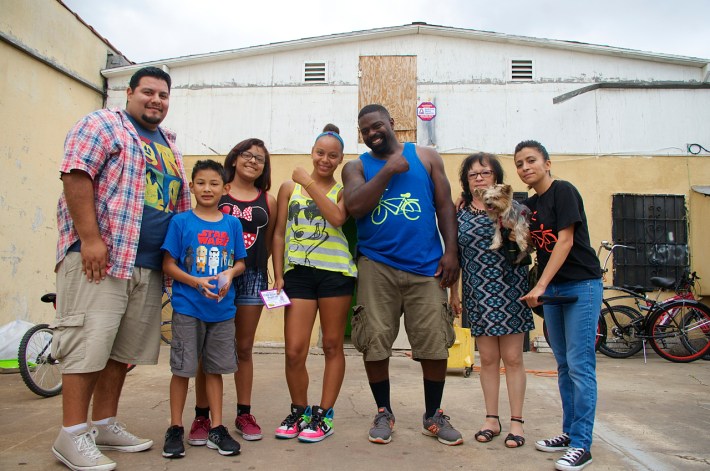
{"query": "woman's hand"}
pixel 301 177
pixel 278 284
pixel 459 204
pixel 455 303
pixel 531 299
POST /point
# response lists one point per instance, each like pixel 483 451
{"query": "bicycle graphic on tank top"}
pixel 404 205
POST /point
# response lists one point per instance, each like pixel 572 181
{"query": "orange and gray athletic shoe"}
pixel 439 426
pixel 382 427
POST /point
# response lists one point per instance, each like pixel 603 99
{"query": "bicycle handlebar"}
pixel 605 244
pixel 552 300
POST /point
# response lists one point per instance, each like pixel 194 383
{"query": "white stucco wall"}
pixel 260 93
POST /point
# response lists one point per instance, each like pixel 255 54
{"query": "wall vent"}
pixel 315 72
pixel 521 70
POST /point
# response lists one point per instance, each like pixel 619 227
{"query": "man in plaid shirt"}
pixel 123 180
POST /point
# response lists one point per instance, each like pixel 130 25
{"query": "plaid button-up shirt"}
pixel 105 145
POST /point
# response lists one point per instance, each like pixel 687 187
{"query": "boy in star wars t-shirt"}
pixel 204 251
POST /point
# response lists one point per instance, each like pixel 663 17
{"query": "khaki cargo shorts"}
pixel 384 294
pixel 117 319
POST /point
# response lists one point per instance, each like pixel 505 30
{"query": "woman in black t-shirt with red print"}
pixel 568 267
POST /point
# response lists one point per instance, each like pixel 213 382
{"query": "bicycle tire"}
pixel 38 369
pixel 379 214
pixel 598 341
pixel 621 340
pixel 669 336
pixel 695 319
pixel 166 331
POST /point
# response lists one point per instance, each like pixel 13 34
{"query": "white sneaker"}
pixel 78 451
pixel 114 436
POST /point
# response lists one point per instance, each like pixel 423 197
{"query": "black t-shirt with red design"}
pixel 559 207
pixel 254 216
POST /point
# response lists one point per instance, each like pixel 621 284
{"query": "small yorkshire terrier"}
pixel 508 213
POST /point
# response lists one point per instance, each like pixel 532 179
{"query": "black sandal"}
pixel 519 440
pixel 488 434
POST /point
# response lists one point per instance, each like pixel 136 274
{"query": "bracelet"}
pixel 309 184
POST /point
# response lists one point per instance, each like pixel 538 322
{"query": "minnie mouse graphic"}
pixel 253 219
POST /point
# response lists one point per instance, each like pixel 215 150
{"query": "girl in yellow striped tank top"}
pixel 313 265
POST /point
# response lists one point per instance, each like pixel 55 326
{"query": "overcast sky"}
pixel 146 30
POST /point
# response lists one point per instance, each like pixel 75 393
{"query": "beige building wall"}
pixel 596 177
pixel 38 105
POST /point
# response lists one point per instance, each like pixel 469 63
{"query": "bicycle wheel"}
pixel 695 320
pixel 598 341
pixel 621 336
pixel 166 324
pixel 678 331
pixel 39 370
pixel 379 214
pixel 601 333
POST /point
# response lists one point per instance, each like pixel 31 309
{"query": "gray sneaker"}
pixel 114 436
pixel 382 427
pixel 78 451
pixel 438 426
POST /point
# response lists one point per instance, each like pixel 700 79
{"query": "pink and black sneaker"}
pixel 294 423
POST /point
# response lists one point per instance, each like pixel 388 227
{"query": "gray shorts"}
pixel 195 340
pixel 384 293
pixel 116 318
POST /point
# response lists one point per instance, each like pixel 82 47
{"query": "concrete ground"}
pixel 652 416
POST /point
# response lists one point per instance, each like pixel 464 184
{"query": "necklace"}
pixel 476 211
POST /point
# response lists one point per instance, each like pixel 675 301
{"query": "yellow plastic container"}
pixel 461 353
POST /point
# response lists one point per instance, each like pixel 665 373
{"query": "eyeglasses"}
pixel 483 174
pixel 247 156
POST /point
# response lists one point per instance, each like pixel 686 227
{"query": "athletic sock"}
pixel 243 409
pixel 202 412
pixel 102 421
pixel 433 392
pixel 76 428
pixel 381 393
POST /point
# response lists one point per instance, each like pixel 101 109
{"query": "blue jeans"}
pixel 572 329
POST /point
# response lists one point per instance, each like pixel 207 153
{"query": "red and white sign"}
pixel 426 111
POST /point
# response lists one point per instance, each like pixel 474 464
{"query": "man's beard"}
pixel 383 147
pixel 151 120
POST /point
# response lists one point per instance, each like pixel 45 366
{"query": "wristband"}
pixel 309 184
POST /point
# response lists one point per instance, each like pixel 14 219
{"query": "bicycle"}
pixel 677 328
pixel 40 370
pixel 406 206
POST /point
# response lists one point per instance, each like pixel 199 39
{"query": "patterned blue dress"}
pixel 491 286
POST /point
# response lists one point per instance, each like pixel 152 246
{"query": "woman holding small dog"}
pixel 491 306
pixel 568 267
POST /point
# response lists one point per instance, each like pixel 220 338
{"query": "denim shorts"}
pixel 303 282
pixel 248 285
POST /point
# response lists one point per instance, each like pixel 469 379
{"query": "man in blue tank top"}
pixel 397 193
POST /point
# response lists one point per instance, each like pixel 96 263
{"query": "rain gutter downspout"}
pixel 631 85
